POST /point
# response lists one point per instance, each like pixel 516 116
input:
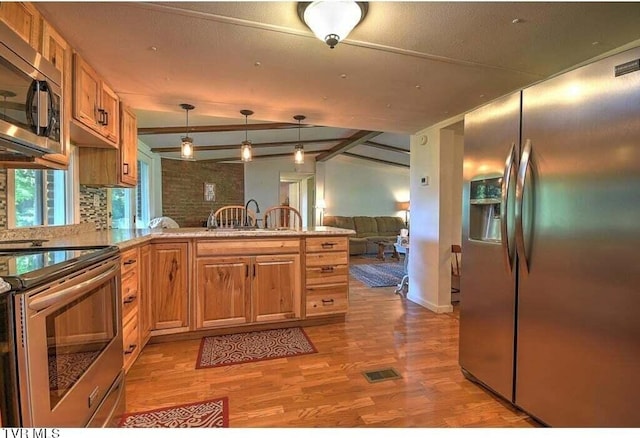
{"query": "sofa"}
pixel 369 230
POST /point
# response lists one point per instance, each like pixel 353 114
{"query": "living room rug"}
pixel 218 351
pixel 378 274
pixel 209 413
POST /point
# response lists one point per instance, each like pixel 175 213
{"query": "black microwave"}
pixel 30 100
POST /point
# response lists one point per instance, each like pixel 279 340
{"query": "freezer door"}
pixel 487 296
pixel 578 330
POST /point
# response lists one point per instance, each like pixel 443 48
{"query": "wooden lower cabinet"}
pixel 129 269
pixel 276 288
pixel 145 293
pixel 326 276
pixel 169 285
pixel 246 288
pixel 222 291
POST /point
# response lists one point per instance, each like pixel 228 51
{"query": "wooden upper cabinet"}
pixel 108 167
pixel 24 19
pixel 128 147
pixel 96 120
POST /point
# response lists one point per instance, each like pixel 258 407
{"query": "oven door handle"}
pixel 69 293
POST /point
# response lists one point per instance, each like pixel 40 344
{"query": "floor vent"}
pixel 380 375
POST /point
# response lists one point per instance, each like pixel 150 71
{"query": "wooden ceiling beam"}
pixel 257 157
pixel 377 160
pixel 386 147
pixel 253 145
pixel 348 143
pixel 219 128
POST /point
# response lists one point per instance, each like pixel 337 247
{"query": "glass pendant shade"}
pixel 245 151
pixel 298 154
pixel 186 147
pixel 331 21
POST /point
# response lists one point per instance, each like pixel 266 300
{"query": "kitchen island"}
pixel 191 282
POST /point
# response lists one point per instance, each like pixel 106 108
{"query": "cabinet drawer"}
pixel 130 341
pixel 320 244
pixel 129 294
pixel 327 274
pixel 327 300
pixel 247 247
pixel 327 258
pixel 128 261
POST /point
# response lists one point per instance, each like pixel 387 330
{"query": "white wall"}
pixel 456 189
pixel 436 155
pixel 262 178
pixel 356 187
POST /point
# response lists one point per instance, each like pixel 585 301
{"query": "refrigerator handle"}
pixel 506 182
pixel 522 176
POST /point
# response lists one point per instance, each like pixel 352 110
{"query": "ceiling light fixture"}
pixel 298 154
pixel 331 21
pixel 245 149
pixel 186 147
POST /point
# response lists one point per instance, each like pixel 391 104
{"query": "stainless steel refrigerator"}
pixel 550 287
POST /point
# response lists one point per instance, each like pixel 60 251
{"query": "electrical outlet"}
pixel 424 181
pixel 96 200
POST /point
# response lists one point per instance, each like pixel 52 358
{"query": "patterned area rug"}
pixel 378 274
pixel 217 351
pixel 210 413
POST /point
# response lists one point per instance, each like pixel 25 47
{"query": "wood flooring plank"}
pixel 327 389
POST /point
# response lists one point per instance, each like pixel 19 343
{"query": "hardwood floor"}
pixel 328 389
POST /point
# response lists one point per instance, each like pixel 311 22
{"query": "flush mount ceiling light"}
pixel 245 149
pixel 331 21
pixel 186 147
pixel 298 154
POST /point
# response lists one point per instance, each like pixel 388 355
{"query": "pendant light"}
pixel 298 154
pixel 186 147
pixel 331 21
pixel 245 149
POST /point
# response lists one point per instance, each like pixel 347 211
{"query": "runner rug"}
pixel 209 413
pixel 217 351
pixel 378 274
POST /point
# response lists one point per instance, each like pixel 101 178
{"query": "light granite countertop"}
pixel 128 238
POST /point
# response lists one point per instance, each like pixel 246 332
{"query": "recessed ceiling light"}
pixel 388 105
pixel 418 86
pixel 595 43
pixel 517 20
pixel 343 76
pixel 482 95
pixel 257 64
pixel 153 48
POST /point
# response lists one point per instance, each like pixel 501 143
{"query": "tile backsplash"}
pixel 92 211
pixel 3 199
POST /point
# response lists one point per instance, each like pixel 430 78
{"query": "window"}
pixel 39 198
pixel 130 207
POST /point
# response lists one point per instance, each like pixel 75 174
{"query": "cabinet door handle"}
pixel 246 271
pixel 106 118
pixel 131 349
pixel 254 271
pixel 326 269
pixel 327 302
pixel 327 245
pixel 125 167
pixel 101 114
pixel 129 299
pixel 130 262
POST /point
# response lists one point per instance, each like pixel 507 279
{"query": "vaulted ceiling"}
pixel 407 66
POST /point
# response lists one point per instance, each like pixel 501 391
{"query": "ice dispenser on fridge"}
pixel 484 222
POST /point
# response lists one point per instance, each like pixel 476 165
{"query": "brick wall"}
pixel 183 189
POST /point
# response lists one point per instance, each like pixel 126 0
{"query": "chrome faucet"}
pixel 211 220
pixel 246 207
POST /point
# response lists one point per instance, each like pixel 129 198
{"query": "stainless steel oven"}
pixel 67 338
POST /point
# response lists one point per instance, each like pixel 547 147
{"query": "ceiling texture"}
pixel 407 66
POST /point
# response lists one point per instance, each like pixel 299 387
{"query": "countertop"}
pixel 128 238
